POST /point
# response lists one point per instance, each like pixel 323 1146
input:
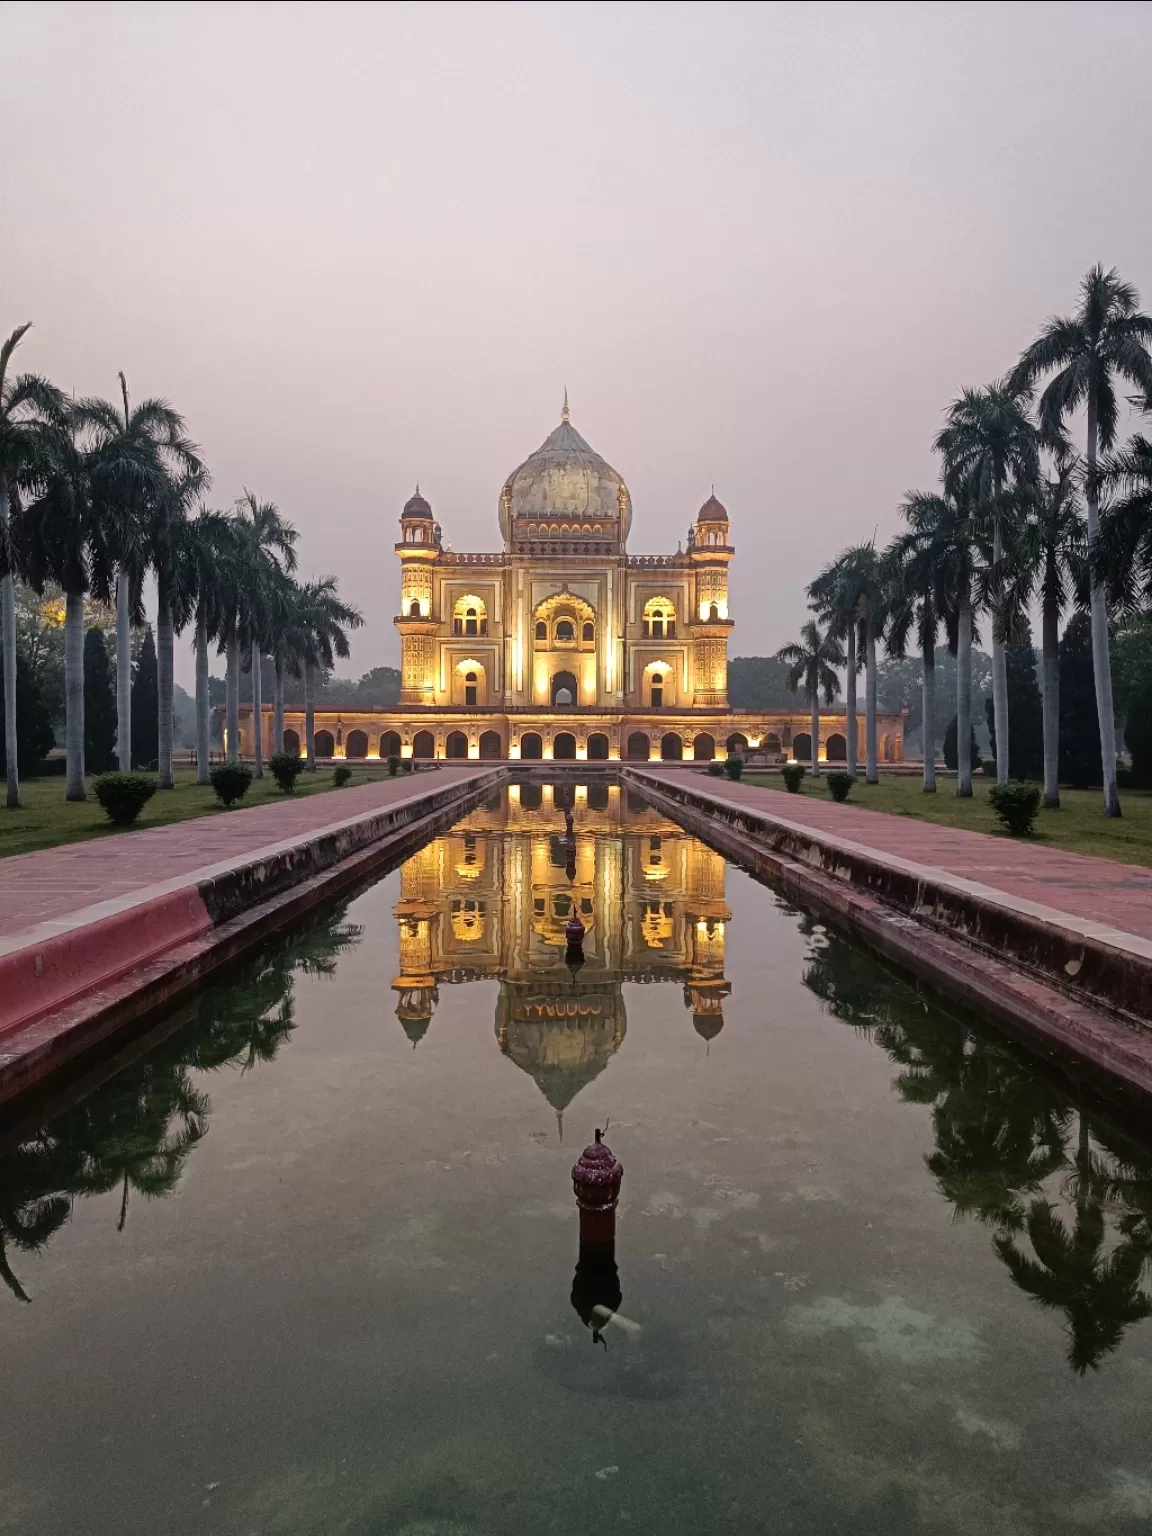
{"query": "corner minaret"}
pixel 711 552
pixel 418 550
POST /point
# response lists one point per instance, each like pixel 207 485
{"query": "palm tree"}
pixel 322 622
pixel 1047 554
pixel 285 645
pixel 911 569
pixel 139 454
pixel 810 663
pixel 835 595
pixel 988 443
pixel 67 536
pixel 269 541
pixel 1106 339
pixel 204 573
pixel 167 548
pixel 1126 526
pixel 31 415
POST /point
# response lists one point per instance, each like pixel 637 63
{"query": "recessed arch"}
pixel 292 741
pixel 564 747
pixel 390 744
pixel 671 747
pixel 639 747
pixel 491 745
pixel 456 744
pixel 704 747
pixel 737 742
pixel 325 743
pixel 423 744
pixel 658 621
pixel 565 690
pixel 598 747
pixel 469 615
pixel 836 748
pixel 802 747
pixel 357 744
pixel 532 746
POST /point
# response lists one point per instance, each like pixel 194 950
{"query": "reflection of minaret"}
pixel 707 986
pixel 416 914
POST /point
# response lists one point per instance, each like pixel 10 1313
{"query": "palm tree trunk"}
pixel 257 713
pixel 278 709
pixel 999 670
pixel 1050 653
pixel 309 717
pixel 1101 665
pixel 814 701
pixel 872 774
pixel 74 694
pixel 232 700
pixel 8 640
pixel 850 699
pixel 203 713
pixel 164 666
pixel 123 670
pixel 929 708
pixel 964 701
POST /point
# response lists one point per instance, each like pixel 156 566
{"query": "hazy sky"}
pixel 763 246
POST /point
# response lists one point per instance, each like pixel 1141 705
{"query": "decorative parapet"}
pixel 658 562
pixel 450 557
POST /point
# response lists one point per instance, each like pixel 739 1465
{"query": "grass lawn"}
pixel 47 819
pixel 1078 825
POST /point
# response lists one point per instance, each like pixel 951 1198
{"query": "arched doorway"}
pixel 597 747
pixel 423 744
pixel 292 741
pixel 836 749
pixel 771 744
pixel 564 690
pixel 531 746
pixel 490 745
pixel 802 747
pixel 390 744
pixel 357 744
pixel 456 745
pixel 737 742
pixel 704 748
pixel 564 747
pixel 671 747
pixel 638 747
pixel 325 745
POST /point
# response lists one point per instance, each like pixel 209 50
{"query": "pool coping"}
pixel 1079 987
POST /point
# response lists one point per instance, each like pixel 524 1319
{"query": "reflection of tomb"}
pixel 490 900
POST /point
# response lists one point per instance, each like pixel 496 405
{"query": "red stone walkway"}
pixel 56 883
pixel 1097 893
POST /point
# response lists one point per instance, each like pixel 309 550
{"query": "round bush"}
pixel 230 781
pixel 734 766
pixel 393 765
pixel 1015 806
pixel 286 768
pixel 793 774
pixel 123 796
pixel 840 785
pixel 341 775
pixel 715 770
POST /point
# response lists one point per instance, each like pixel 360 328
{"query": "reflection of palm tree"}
pixel 1099 1291
pixel 31 1206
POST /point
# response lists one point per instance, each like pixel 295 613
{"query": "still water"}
pixel 308 1264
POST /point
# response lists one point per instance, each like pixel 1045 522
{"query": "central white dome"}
pixel 566 477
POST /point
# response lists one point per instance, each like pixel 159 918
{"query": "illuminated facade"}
pixel 489 901
pixel 563 645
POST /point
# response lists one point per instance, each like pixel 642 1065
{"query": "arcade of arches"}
pixel 562 645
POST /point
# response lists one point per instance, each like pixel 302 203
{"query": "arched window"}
pixel 589 633
pixel 659 619
pixel 564 690
pixel 565 630
pixel 657 699
pixel 713 611
pixel 469 616
pixel 414 609
pixel 470 687
pixel 541 630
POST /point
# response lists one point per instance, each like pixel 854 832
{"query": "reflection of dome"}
pixel 565 476
pixel 415 1009
pixel 416 506
pixel 563 1040
pixel 712 511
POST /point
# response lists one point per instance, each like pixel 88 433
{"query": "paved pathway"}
pixel 53 882
pixel 1094 890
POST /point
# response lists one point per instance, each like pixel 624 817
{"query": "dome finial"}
pixel 564 412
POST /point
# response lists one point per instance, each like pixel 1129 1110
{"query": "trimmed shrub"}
pixel 840 785
pixel 734 766
pixel 393 765
pixel 230 781
pixel 341 775
pixel 286 768
pixel 715 770
pixel 406 765
pixel 793 774
pixel 123 796
pixel 1016 805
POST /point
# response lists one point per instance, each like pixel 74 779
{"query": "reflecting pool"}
pixel 308 1260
